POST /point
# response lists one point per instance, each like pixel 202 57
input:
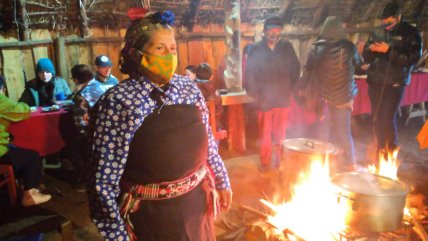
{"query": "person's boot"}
pixel 34 197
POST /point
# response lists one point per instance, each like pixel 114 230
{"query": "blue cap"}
pixel 45 64
pixel 103 61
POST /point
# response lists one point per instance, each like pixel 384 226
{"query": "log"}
pixel 233 71
pixel 83 19
pixel 24 33
pixel 60 59
pixel 254 211
pixel 419 229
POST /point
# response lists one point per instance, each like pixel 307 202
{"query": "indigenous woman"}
pixel 157 167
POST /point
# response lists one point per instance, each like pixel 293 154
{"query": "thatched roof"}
pixel 62 14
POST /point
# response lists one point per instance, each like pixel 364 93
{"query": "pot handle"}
pixel 354 202
pixel 339 195
pixel 310 144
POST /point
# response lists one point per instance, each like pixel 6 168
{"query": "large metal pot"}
pixel 374 203
pixel 297 157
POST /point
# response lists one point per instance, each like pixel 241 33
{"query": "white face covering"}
pixel 46 77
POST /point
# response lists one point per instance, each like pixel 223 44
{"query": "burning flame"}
pixel 388 166
pixel 313 213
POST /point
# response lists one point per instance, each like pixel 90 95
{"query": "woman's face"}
pixel 190 74
pixel 161 43
pixel 45 76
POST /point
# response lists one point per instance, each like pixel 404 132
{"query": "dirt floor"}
pixel 249 185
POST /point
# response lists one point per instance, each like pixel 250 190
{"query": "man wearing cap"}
pixel 392 52
pixel 271 72
pixel 47 88
pixel 103 66
pixel 102 82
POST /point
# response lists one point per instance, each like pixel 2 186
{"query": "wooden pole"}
pixel 83 19
pixel 60 59
pixel 233 71
pixel 24 34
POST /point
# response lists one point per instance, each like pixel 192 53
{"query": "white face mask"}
pixel 45 76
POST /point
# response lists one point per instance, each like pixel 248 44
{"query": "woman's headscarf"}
pixel 139 33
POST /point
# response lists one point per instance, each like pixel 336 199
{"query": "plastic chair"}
pixel 9 180
pixel 218 135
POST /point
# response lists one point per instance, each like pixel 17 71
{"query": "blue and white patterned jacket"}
pixel 120 112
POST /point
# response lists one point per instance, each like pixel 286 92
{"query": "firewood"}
pixel 254 211
pixel 419 229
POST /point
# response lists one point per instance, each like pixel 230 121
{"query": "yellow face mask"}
pixel 161 66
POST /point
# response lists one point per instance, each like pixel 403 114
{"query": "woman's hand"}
pixel 225 199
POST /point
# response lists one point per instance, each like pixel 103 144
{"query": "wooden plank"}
pixel 28 64
pixel 200 51
pixel 183 56
pixel 76 54
pixel 195 52
pixel 12 69
pixel 113 51
pixel 207 52
pixel 236 127
pixel 219 55
pixel 40 51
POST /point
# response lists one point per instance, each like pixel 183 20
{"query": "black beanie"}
pixel 272 22
pixel 391 9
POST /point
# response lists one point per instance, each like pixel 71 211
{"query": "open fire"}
pixel 313 212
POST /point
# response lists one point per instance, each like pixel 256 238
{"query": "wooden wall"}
pixel 14 61
pixel 192 49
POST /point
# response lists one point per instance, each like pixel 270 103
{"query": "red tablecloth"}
pixel 416 92
pixel 42 132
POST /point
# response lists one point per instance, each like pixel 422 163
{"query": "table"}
pixel 416 92
pixel 235 116
pixel 44 132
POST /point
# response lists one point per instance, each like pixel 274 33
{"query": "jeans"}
pixel 384 113
pixel 27 166
pixel 339 120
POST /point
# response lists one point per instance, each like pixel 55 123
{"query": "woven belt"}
pixel 161 191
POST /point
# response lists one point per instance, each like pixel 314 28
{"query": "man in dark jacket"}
pixel 392 53
pixel 332 60
pixel 271 72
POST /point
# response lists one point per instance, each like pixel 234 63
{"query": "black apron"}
pixel 170 144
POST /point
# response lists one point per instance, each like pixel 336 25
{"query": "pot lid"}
pixel 311 146
pixel 369 184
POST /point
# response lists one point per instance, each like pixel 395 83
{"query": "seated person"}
pixel 103 70
pixel 47 88
pixel 204 75
pixel 190 72
pixel 76 150
pixel 27 164
pixel 103 80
